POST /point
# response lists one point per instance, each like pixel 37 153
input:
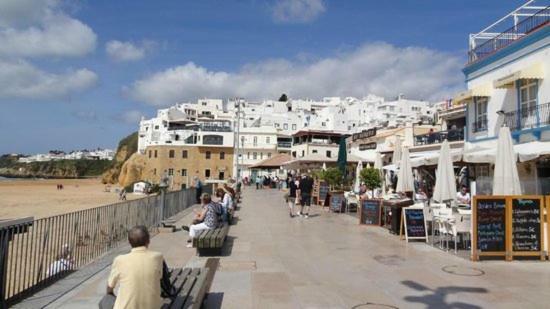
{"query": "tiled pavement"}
pixel 329 261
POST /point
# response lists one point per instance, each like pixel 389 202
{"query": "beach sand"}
pixel 40 198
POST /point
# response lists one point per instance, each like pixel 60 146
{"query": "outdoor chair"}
pixel 462 225
pixel 443 221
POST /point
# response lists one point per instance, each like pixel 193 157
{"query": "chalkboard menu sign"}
pixel 323 192
pixel 526 225
pixel 491 225
pixel 370 212
pixel 415 224
pixel 336 201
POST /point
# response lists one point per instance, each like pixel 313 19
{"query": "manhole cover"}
pixel 373 305
pixel 390 260
pixel 463 271
pixel 237 265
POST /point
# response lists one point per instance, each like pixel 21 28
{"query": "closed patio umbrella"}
pixel 396 150
pixel 405 178
pixel 506 179
pixel 357 178
pixel 445 184
pixel 378 165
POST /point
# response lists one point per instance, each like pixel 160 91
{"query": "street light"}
pixel 163 185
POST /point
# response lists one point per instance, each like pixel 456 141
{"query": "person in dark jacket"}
pixel 292 187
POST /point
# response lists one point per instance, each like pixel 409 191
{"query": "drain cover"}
pixel 463 271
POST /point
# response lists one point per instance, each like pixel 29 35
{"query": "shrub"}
pixel 371 177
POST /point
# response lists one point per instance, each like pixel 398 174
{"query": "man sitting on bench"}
pixel 139 274
pixel 209 218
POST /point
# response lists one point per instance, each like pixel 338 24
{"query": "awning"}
pixel 526 152
pixel 533 72
pixel 480 91
pixel 432 157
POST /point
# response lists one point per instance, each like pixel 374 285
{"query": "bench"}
pixel 210 242
pixel 191 285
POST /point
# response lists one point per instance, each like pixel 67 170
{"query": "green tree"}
pixel 371 178
pixel 334 177
pixel 283 98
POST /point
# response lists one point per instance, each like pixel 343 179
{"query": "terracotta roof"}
pixel 275 161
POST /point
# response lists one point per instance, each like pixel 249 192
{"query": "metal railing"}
pixel 439 137
pixel 42 251
pixel 480 125
pixel 538 20
pixel 528 117
pixel 284 144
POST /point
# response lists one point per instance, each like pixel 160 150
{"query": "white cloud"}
pixel 39 28
pixel 21 80
pixel 377 68
pixel 131 117
pixel 297 11
pixel 126 51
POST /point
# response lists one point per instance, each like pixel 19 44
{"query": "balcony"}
pixel 284 144
pixel 439 137
pixel 492 41
pixel 529 117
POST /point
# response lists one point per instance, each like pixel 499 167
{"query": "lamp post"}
pixel 163 185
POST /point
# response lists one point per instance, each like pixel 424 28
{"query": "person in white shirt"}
pixel 463 196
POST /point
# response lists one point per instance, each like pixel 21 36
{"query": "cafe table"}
pixel 392 209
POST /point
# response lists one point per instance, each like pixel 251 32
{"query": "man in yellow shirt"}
pixel 138 273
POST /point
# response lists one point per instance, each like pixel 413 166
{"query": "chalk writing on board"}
pixel 336 202
pixel 415 223
pixel 370 212
pixel 491 225
pixel 526 225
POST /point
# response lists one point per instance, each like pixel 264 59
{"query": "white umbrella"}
pixel 379 165
pixel 506 179
pixel 396 150
pixel 445 185
pixel 405 179
pixel 357 178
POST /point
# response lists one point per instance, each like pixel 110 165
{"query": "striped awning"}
pixel 533 72
pixel 480 91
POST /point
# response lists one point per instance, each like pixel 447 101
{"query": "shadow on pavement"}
pixel 213 301
pixel 436 298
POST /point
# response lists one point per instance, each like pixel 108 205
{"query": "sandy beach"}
pixel 40 198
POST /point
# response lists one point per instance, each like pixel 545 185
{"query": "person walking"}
pixel 292 188
pixel 198 189
pixel 258 182
pixel 304 191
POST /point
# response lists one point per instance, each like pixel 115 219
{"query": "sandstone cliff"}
pixel 126 148
pixel 132 170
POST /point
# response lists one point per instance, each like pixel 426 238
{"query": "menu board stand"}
pixel 323 193
pixel 370 211
pixel 413 224
pixel 508 226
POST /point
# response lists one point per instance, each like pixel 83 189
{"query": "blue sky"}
pixel 79 74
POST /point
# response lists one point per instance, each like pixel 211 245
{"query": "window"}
pixel 212 140
pixel 261 155
pixel 528 102
pixel 255 143
pixel 183 172
pixel 276 125
pixel 314 151
pixel 222 155
pixel 150 153
pixel 294 154
pixel 208 154
pixel 285 126
pixel 207 173
pixel 267 140
pixel 254 155
pixel 328 154
pixel 480 115
pixel 221 175
pixel 293 126
pixel 248 155
pixel 269 154
pixel 303 153
pixel 154 171
pixel 170 172
pixel 184 154
pixel 156 127
pixel 156 153
pixel 171 153
pixel 324 124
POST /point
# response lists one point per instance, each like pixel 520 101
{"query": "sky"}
pixel 80 74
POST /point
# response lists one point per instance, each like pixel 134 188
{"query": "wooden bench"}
pixel 191 286
pixel 210 242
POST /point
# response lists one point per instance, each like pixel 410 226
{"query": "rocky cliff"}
pixel 126 148
pixel 55 169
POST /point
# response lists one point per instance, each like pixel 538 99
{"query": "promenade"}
pixel 329 261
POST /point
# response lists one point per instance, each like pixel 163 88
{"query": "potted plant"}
pixel 335 179
pixel 371 178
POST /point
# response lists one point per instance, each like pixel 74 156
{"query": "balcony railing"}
pixel 528 117
pixel 538 20
pixel 439 137
pixel 284 144
pixel 480 125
